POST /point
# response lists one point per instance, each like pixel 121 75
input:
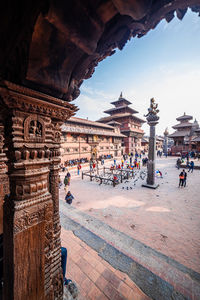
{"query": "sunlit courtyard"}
pixel 165 221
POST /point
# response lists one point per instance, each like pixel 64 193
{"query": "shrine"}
pixel 129 124
pixel 47 49
pixel 184 134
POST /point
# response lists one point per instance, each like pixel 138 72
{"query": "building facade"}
pixel 124 116
pixel 196 140
pixel 145 143
pixel 82 138
pixel 184 135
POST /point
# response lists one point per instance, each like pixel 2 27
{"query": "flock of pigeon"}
pixel 137 176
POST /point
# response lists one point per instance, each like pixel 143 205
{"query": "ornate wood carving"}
pixel 55 45
pixel 31 144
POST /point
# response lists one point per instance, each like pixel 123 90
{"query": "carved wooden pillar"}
pixel 32 268
pixel 3 190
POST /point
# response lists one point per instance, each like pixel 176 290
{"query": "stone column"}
pixel 31 228
pixel 166 133
pixel 152 120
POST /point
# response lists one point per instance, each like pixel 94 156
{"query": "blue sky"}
pixel 164 64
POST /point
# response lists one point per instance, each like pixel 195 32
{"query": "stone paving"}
pixel 166 219
pixel 96 279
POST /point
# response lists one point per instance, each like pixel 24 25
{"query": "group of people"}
pixel 182 178
pixel 73 162
pixel 183 174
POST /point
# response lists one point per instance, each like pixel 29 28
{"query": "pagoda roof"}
pixel 179 133
pixel 184 117
pixel 159 138
pixel 113 123
pixel 135 130
pixel 121 99
pixel 119 108
pixel 145 140
pixel 118 116
pixel 196 139
pixel 183 124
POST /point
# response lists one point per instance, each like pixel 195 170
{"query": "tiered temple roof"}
pixel 120 110
pixel 185 127
pixel 184 117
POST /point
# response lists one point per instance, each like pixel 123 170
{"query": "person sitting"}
pixel 69 197
pixel 68 283
pixel 115 178
pixel 64 263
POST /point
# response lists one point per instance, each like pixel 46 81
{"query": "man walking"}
pixel 185 178
pixel 181 179
pixel 191 166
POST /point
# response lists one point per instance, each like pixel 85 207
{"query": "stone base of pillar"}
pixel 151 186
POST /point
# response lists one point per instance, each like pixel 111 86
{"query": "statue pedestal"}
pixel 150 186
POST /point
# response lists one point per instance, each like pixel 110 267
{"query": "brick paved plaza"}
pixel 158 230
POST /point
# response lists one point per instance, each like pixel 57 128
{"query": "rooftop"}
pixel 113 123
pixel 184 117
pixel 121 99
pixel 89 131
pixel 183 124
pixel 88 122
pixel 180 133
pixel 121 107
pixel 118 116
pixel 196 139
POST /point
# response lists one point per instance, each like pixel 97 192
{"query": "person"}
pixel 115 178
pixel 69 197
pixel 191 166
pixel 181 179
pixel 67 181
pixel 178 163
pixel 78 168
pixel 94 165
pixel 122 163
pixel 185 178
pixel 114 162
pixel 187 157
pixel 60 182
pixel 64 263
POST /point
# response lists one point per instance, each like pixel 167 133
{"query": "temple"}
pixel 85 139
pixel 184 134
pixel 130 125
